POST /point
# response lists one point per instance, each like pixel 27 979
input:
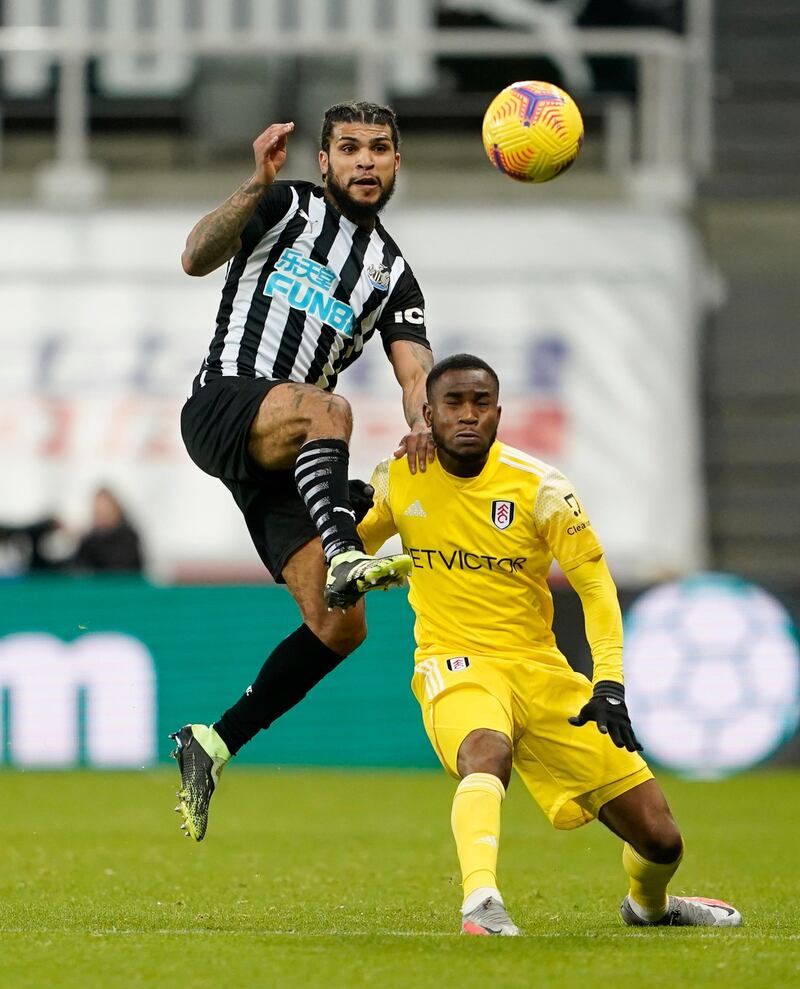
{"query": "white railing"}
pixel 392 46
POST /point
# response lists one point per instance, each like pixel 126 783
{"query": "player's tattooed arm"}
pixel 412 362
pixel 217 236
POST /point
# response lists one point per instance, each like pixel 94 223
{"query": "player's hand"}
pixel 419 447
pixel 607 708
pixel 269 150
pixel 361 495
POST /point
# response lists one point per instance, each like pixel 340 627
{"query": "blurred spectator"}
pixel 23 547
pixel 111 543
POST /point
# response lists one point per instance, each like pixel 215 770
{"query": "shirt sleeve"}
pixel 403 314
pixel 602 617
pixel 561 521
pixel 378 524
pixel 270 209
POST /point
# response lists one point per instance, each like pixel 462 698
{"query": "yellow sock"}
pixel 476 828
pixel 648 880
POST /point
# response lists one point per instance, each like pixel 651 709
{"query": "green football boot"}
pixel 352 574
pixel 201 756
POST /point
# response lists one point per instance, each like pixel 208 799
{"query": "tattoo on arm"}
pixel 414 396
pixel 215 238
pixel 422 354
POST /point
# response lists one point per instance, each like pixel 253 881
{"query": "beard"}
pixel 351 208
pixel 466 457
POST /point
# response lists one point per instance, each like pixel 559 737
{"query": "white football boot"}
pixel 489 917
pixel 686 911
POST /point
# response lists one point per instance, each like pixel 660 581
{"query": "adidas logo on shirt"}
pixel 415 511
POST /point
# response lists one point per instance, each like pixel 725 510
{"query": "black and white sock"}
pixel 321 477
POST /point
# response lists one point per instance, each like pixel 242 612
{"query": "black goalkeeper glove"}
pixel 607 707
pixel 360 494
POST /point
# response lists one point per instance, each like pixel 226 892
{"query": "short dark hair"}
pixel 459 362
pixel 358 112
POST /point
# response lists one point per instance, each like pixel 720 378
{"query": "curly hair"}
pixel 358 112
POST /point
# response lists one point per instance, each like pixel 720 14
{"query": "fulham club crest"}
pixel 502 513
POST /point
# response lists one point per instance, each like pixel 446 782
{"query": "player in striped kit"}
pixel 312 275
pixel 482 527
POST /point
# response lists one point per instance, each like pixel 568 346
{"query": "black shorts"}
pixel 215 425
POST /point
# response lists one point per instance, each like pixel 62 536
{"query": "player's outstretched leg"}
pixel 685 911
pixel 489 917
pixel 353 573
pixel 201 756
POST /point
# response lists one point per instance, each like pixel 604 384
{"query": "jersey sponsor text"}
pixel 463 559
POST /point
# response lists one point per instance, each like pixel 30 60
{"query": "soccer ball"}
pixel 532 131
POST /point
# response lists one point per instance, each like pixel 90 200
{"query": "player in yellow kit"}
pixel 482 526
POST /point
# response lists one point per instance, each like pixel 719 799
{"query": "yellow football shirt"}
pixel 482 547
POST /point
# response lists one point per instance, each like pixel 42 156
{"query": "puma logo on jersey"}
pixel 415 511
pixel 488 839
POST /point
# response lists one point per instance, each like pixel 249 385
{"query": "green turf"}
pixel 348 879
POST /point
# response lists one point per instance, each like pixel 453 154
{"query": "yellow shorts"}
pixel 570 772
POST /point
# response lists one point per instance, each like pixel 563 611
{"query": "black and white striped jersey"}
pixel 306 290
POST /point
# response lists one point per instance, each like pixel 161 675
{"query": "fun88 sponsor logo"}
pixel 307 286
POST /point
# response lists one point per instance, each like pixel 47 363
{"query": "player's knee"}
pixel 338 405
pixel 295 413
pixel 486 751
pixel 331 415
pixel 662 841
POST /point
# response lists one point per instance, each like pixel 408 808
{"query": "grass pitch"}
pixel 326 879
